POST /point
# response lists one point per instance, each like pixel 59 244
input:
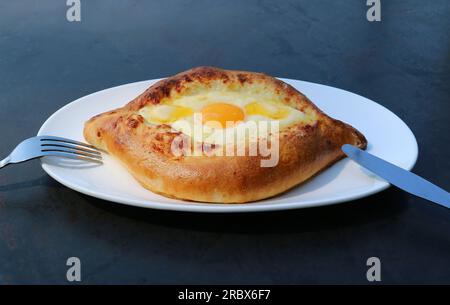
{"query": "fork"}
pixel 42 146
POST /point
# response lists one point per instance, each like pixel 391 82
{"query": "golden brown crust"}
pixel 305 149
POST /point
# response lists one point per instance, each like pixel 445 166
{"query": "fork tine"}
pixel 70 151
pixel 59 139
pixel 70 145
pixel 70 156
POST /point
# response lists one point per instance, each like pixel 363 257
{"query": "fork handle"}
pixel 5 161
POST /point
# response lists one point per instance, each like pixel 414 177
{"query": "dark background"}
pixel 402 62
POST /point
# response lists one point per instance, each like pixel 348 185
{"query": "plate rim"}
pixel 219 207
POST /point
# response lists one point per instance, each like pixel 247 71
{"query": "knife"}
pixel 397 176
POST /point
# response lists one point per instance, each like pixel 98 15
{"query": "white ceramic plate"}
pixel 388 136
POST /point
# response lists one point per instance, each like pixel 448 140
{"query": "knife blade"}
pixel 397 176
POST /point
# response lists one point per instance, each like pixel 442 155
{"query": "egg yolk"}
pixel 265 109
pixel 222 113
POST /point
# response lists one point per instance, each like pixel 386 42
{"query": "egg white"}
pixel 182 114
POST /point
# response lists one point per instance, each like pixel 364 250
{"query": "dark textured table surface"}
pixel 402 62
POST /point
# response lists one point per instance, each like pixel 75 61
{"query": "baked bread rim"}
pixel 305 149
